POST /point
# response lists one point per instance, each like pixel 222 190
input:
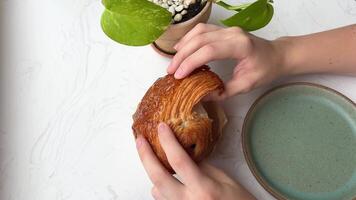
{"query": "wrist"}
pixel 284 48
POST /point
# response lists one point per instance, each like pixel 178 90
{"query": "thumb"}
pixel 241 83
pixel 237 85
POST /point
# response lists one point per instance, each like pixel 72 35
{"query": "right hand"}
pixel 259 60
pixel 197 181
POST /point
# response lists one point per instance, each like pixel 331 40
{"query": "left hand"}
pixel 198 182
pixel 259 61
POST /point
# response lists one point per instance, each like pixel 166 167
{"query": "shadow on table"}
pixel 226 151
pixel 2 94
pixel 228 154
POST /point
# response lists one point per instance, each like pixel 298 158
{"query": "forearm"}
pixel 331 51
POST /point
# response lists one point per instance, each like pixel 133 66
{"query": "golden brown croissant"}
pixel 176 102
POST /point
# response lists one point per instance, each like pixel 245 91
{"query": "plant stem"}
pixel 230 7
pixel 235 8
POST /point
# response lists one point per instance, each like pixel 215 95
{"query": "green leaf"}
pixel 230 7
pixel 134 22
pixel 254 17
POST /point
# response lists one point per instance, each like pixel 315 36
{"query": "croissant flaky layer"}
pixel 173 101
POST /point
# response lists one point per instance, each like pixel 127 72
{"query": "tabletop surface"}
pixel 68 94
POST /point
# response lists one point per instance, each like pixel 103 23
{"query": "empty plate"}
pixel 299 141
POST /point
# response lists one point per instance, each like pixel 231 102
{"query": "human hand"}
pixel 197 182
pixel 259 60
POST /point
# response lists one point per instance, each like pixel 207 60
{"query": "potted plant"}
pixel 163 22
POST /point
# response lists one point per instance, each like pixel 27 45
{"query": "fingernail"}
pixel 169 68
pixel 139 142
pixel 179 73
pixel 176 46
pixel 161 127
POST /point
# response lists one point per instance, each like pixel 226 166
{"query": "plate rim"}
pixel 244 140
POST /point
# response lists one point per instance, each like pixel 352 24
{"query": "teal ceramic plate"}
pixel 299 141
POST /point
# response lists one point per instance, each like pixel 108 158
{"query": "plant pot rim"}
pixel 162 52
pixel 182 24
pixel 175 32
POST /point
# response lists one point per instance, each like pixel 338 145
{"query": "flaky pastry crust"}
pixel 172 101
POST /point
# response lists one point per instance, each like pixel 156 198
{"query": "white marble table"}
pixel 68 93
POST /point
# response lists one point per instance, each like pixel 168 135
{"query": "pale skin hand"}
pixel 257 65
pixel 198 182
pixel 262 61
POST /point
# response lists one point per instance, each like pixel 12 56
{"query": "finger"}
pixel 193 45
pixel 177 157
pixel 213 51
pixel 157 194
pixel 198 29
pixel 213 96
pixel 239 84
pixel 215 173
pixel 159 176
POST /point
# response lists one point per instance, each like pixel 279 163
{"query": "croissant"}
pixel 177 103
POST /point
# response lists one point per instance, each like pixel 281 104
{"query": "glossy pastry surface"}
pixel 176 102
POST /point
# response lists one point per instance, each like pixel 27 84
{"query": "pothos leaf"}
pixel 134 22
pixel 254 17
pixel 230 7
